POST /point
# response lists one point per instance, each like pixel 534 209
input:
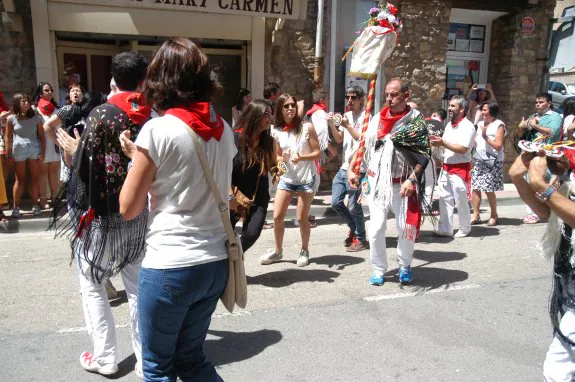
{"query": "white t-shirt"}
pixel 184 226
pixel 304 171
pixel 350 145
pixel 483 150
pixel 462 135
pixel 319 121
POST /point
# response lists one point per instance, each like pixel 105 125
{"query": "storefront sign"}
pixel 527 25
pixel 289 9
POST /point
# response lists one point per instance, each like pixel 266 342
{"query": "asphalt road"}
pixel 476 312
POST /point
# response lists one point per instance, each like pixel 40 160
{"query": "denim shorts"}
pixel 25 151
pixel 308 188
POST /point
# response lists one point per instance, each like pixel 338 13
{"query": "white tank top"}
pixel 304 171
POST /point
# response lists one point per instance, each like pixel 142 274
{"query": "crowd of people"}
pixel 123 181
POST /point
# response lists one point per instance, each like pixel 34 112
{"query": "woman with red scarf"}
pixel 298 149
pixel 43 99
pixel 185 268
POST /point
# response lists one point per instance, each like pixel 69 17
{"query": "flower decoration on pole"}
pixel 370 51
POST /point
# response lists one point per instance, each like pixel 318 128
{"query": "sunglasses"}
pixel 289 105
pixel 352 97
pixel 268 114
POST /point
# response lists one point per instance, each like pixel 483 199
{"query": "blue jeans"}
pixel 353 213
pixel 175 307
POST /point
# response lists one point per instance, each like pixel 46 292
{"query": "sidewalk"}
pixel 321 209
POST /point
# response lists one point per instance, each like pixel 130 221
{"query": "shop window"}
pixel 461 75
pixel 466 38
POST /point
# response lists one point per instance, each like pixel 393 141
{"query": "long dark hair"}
pixel 279 117
pixel 16 106
pixel 37 93
pixel 179 74
pixel 249 125
pixel 240 100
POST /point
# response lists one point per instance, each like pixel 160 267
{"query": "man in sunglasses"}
pixel 394 179
pixel 349 132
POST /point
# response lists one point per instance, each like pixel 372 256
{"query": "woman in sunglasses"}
pixel 298 148
pixel 257 155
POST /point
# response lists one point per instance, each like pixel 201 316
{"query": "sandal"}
pixel 492 222
pixel 531 219
pixel 476 221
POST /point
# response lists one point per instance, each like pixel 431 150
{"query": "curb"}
pixel 321 211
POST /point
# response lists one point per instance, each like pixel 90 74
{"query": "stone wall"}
pixel 420 54
pixel 17 65
pixel 517 65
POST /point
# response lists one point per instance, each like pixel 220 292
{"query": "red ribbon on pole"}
pixel 368 109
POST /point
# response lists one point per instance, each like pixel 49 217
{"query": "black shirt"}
pixel 247 180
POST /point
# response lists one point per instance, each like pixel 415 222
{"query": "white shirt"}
pixel 184 226
pixel 304 171
pixel 483 150
pixel 350 145
pixel 374 157
pixel 567 121
pixel 462 135
pixel 319 121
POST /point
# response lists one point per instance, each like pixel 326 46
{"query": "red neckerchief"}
pixel 316 107
pixel 413 216
pixel 386 121
pixel 288 126
pixel 133 105
pixel 201 118
pixel 456 123
pixel 46 107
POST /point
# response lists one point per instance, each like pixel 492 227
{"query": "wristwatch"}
pixel 231 197
pixel 545 195
pixel 413 180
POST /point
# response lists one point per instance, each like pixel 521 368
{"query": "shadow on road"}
pixel 338 262
pixel 288 277
pixel 238 346
pixel 125 367
pixel 438 257
pixel 478 231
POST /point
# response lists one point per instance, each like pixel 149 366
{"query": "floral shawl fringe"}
pixel 86 210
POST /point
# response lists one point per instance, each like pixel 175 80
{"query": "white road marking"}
pixel 368 298
pixel 418 293
pixel 81 329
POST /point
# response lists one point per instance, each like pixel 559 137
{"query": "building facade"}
pixel 446 46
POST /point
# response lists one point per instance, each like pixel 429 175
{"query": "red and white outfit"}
pixel 455 178
pixel 378 209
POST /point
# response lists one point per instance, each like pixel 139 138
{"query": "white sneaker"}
pixel 442 233
pixel 460 234
pixel 270 257
pixel 295 222
pixel 90 363
pixel 303 259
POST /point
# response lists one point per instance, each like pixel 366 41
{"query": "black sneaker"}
pixel 358 245
pixel 349 239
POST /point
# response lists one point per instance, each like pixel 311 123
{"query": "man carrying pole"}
pixel 396 153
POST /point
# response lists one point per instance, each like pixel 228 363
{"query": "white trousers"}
pixel 429 181
pixel 559 365
pixel 453 193
pixel 98 314
pixel 378 227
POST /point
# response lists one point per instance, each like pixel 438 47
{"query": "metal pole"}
pixel 318 42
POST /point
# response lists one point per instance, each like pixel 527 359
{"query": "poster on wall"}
pixel 476 46
pixel 451 41
pixel 477 32
pixel 462 45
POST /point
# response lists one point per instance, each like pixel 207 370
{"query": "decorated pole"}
pixel 368 110
pixel 370 50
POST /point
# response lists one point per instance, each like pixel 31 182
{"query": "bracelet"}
pixel 231 197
